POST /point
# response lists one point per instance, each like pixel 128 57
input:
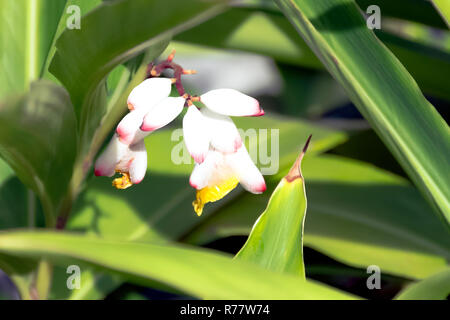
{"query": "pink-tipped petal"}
pixel 231 102
pixel 195 134
pixel 148 93
pixel 223 133
pixel 163 113
pixel 203 173
pixel 138 166
pixel 261 113
pixel 106 162
pixel 128 128
pixel 249 175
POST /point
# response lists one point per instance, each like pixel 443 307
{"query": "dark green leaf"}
pixel 38 140
pixel 382 89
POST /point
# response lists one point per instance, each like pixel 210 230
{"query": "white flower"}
pixel 220 173
pixel 213 126
pixel 126 153
pixel 149 92
pixel 129 160
pixel 210 135
pixel 212 139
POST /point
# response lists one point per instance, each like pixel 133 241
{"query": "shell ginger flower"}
pixel 126 153
pixel 212 139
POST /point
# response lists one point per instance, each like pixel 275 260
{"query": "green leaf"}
pixel 357 214
pixel 414 10
pixel 85 6
pixel 13 201
pixel 436 287
pixel 276 239
pixel 268 32
pixel 200 273
pixel 428 65
pixel 27 28
pixel 38 140
pixel 381 88
pixel 126 28
pixel 443 7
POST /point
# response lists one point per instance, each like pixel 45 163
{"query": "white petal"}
pixel 163 113
pixel 138 166
pixel 249 175
pixel 223 133
pixel 203 173
pixel 106 163
pixel 195 134
pixel 149 92
pixel 231 102
pixel 128 128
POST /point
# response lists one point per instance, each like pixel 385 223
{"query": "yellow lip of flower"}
pixel 213 193
pixel 122 182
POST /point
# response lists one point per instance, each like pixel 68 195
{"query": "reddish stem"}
pixel 156 70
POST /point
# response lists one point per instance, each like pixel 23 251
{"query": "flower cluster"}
pixel 211 137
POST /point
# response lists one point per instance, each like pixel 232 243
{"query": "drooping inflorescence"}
pixel 211 137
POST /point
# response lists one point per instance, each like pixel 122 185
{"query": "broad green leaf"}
pixel 197 272
pixel 427 65
pixel 443 7
pixel 111 34
pixel 357 214
pixel 414 10
pixel 270 33
pixel 381 88
pixel 38 140
pixel 436 287
pixel 68 15
pixel 276 239
pixel 27 28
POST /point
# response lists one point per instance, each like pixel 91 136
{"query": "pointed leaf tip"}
pixel 296 171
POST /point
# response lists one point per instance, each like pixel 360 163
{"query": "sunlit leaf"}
pixel 27 28
pixel 197 272
pixel 357 214
pixel 436 287
pixel 416 10
pixel 381 88
pixel 276 239
pixel 270 33
pixel 443 7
